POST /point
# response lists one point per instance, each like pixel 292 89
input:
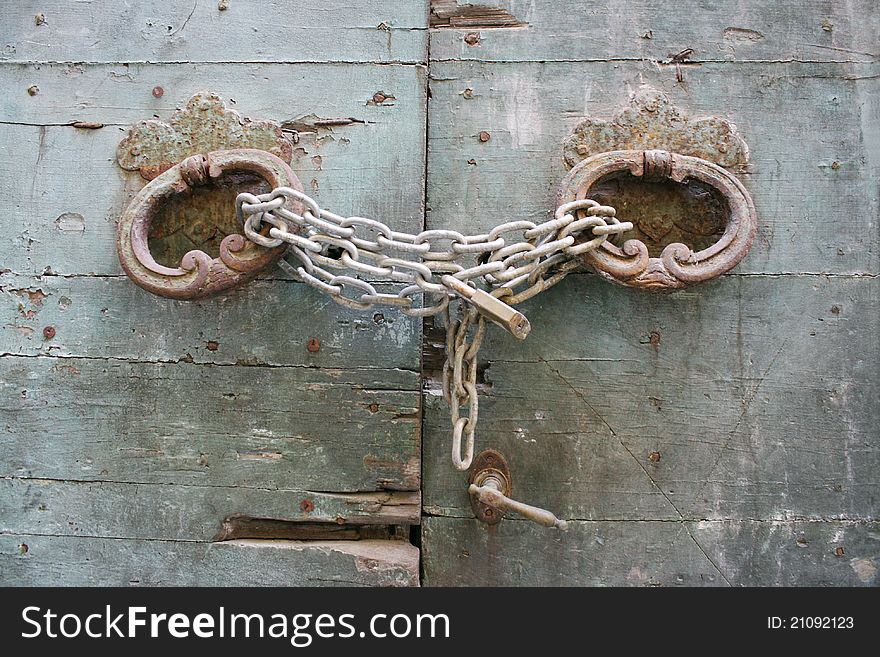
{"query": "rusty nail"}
pixel 472 38
pixel 223 5
pixel 379 97
pixel 23 548
pixel 307 505
pixel 379 318
pixel 374 408
pixel 468 93
pixel 484 136
pixel 835 310
pixel 158 92
pixel 488 513
pixel 39 19
pixel 839 552
pixel 33 90
pixel 835 165
pixel 212 345
pixel 49 332
pixel 313 345
pixel 654 457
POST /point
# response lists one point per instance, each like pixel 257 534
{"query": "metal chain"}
pixel 439 266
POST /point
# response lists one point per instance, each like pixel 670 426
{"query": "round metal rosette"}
pixel 198 275
pixel 678 265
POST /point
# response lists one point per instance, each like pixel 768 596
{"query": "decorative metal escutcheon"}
pixel 653 258
pixel 198 275
pixel 194 164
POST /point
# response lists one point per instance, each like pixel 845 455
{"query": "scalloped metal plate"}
pixel 203 125
pixel 652 122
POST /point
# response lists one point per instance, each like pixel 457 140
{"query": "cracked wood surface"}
pixel 362 168
pixel 723 435
pixel 461 552
pixel 195 30
pixel 38 560
pixel 181 423
pixel 544 30
pixel 142 425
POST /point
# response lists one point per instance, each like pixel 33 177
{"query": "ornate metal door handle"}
pixel 198 275
pixel 678 265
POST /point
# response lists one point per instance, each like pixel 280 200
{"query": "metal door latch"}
pixel 490 489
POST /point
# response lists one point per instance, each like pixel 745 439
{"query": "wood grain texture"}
pixel 86 561
pixel 63 218
pixel 182 512
pixel 459 552
pixel 810 129
pixel 590 30
pixel 757 398
pixel 721 435
pixel 268 322
pixel 143 424
pixel 180 423
pixel 196 30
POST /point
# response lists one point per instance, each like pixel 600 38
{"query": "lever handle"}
pixel 490 489
pixel 490 495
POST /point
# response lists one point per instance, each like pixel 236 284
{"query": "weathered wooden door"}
pixel 143 428
pixel 725 434
pixel 721 435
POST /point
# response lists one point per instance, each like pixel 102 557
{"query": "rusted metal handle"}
pixel 678 265
pixel 490 494
pixel 199 275
pixel 490 488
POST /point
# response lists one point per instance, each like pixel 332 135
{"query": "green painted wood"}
pixel 799 120
pixel 182 512
pixel 725 434
pixel 590 30
pixel 134 433
pixel 460 552
pixel 758 398
pixel 268 322
pixel 275 31
pixel 64 220
pixel 179 423
pixel 86 561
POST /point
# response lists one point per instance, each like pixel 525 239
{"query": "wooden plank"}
pixel 274 31
pixel 266 323
pixel 459 552
pixel 182 512
pixel 296 428
pixel 120 94
pixel 748 398
pixel 86 561
pixel 809 127
pixel 591 30
pixel 463 552
pixel 352 169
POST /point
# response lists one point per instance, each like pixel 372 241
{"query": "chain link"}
pixel 513 262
